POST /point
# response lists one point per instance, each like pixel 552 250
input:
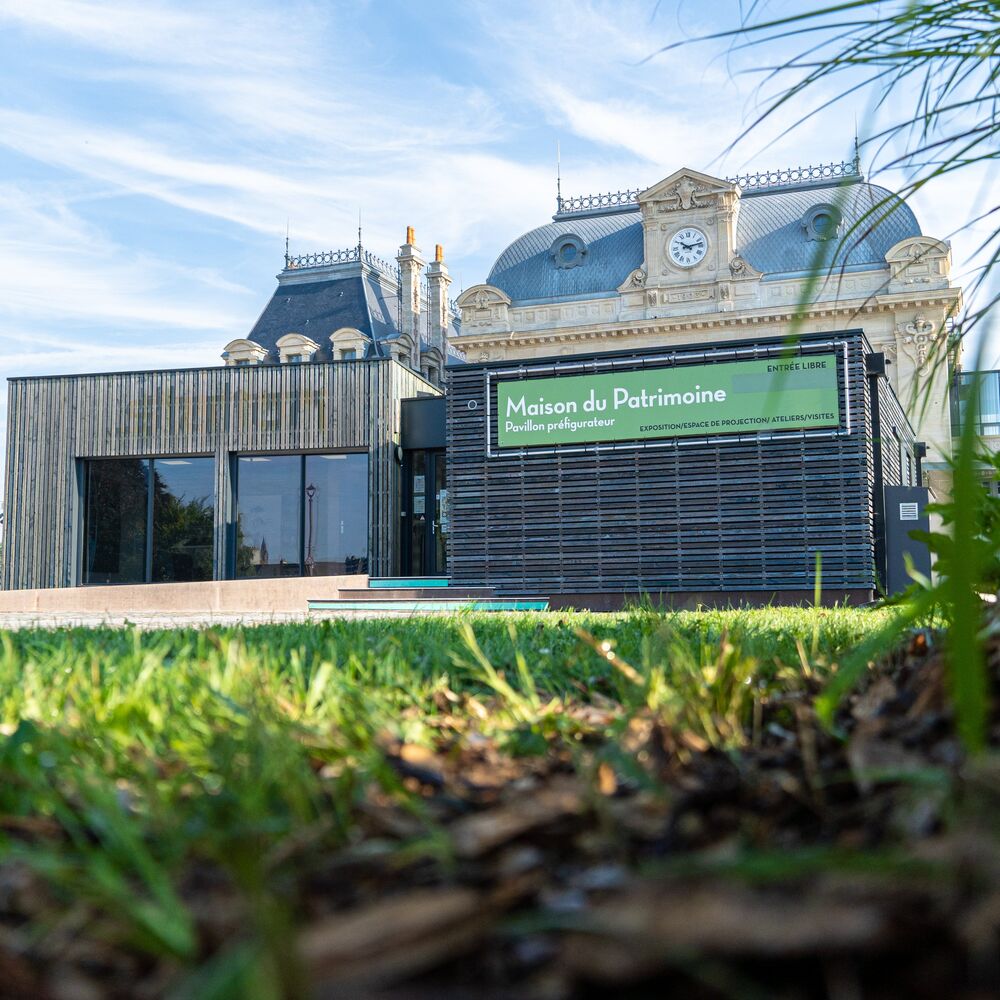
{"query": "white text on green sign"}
pixel 738 397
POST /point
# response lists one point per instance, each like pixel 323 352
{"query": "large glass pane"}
pixel 442 514
pixel 417 495
pixel 268 520
pixel 183 515
pixel 117 492
pixel 336 514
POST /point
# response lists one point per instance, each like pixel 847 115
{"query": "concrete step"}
pixel 415 593
pixel 429 605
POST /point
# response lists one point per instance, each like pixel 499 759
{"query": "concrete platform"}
pixel 171 605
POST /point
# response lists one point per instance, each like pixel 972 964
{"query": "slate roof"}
pixel 525 270
pixel 769 235
pixel 317 308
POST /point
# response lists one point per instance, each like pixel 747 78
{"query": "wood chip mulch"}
pixel 863 865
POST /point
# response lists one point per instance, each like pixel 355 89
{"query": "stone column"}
pixel 438 281
pixel 411 266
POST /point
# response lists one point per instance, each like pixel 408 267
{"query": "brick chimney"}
pixel 411 266
pixel 438 281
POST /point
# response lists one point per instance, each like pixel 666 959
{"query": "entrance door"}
pixel 425 514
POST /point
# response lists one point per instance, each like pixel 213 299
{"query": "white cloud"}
pixel 151 32
pixel 240 116
pixel 57 268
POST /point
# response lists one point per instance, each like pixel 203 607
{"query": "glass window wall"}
pixel 116 521
pixel 269 521
pixel 183 519
pixel 148 520
pixel 301 515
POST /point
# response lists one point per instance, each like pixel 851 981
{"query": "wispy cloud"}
pixel 160 148
pixel 57 267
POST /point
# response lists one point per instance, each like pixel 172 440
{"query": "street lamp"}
pixel 310 561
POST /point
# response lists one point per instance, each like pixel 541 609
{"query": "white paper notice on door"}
pixel 418 504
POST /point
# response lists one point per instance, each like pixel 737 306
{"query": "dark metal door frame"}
pixel 411 512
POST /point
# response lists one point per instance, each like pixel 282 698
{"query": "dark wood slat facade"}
pixel 56 421
pixel 745 514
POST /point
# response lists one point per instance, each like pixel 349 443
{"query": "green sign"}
pixel 736 397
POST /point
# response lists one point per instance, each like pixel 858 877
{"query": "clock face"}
pixel 688 247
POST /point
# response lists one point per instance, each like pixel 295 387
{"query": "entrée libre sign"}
pixel 780 393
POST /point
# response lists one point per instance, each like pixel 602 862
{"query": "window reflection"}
pixel 302 515
pixel 336 514
pixel 269 516
pixel 121 495
pixel 117 496
pixel 183 519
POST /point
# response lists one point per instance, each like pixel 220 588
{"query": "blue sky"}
pixel 151 153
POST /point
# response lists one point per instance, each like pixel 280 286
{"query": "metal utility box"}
pixel 905 511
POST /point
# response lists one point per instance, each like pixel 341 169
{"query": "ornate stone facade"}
pixel 904 301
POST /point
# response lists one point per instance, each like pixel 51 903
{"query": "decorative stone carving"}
pixel 684 195
pixel 691 295
pixel 635 282
pixel 485 309
pixel 345 340
pixel 739 267
pixel 294 347
pixel 920 336
pixel 243 352
pixel 918 260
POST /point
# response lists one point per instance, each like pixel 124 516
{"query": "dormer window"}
pixel 240 353
pixel 822 222
pixel 568 251
pixel 348 344
pixel 294 348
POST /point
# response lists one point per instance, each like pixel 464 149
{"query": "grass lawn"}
pixel 534 805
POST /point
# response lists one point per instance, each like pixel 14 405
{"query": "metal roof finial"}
pixel 558 179
pixel 359 233
pixel 287 257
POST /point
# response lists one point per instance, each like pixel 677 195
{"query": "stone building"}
pixel 785 253
pixel 345 305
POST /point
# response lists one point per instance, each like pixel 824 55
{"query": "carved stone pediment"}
pixel 916 248
pixel 684 190
pixel 484 308
pixel 918 261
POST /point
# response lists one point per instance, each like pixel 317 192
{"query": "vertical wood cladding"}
pixel 746 514
pixel 53 422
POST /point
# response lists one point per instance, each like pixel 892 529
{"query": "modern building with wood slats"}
pixel 233 420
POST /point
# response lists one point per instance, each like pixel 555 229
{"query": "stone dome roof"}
pixel 772 235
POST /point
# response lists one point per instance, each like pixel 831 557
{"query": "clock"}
pixel 688 247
